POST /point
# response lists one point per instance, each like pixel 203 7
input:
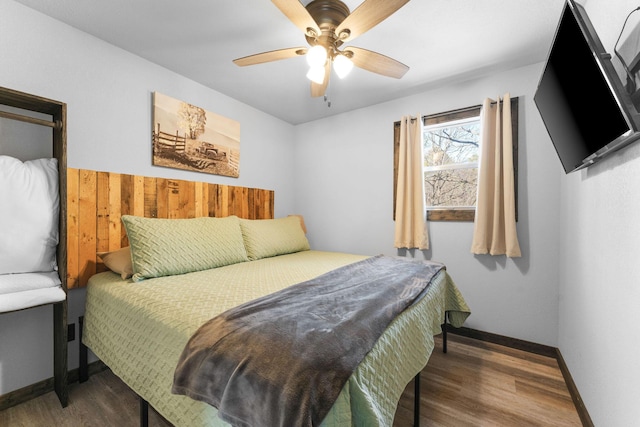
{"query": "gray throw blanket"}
pixel 282 360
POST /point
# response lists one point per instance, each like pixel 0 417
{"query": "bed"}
pixel 140 316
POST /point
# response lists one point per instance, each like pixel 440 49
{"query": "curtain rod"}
pixel 459 110
pixel 28 119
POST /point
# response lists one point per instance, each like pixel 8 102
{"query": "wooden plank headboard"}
pixel 97 200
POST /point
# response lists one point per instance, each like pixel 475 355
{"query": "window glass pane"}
pixel 453 142
pixel 451 152
pixel 451 187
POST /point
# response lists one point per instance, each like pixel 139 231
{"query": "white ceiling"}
pixel 440 40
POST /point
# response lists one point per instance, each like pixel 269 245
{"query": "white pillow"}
pixel 29 210
pixel 13 283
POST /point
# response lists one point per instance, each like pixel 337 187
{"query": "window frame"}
pixel 454 214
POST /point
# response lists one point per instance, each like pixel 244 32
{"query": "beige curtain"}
pixel 495 221
pixel 411 229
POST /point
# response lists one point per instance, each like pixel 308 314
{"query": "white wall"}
pixel 600 268
pixel 109 102
pixel 578 233
pixel 344 187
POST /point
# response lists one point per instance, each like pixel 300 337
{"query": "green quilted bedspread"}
pixel 139 330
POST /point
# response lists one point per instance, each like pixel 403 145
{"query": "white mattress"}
pixel 24 290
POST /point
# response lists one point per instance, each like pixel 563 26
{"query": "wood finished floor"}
pixel 474 384
pixel 482 384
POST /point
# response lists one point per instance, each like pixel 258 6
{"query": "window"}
pixel 451 153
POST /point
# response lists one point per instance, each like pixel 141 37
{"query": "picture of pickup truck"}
pixel 209 151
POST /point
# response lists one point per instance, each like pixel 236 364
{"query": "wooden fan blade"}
pixel 274 55
pixel 366 16
pixel 376 62
pixel 298 14
pixel 320 89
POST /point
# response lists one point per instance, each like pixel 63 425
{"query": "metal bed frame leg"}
pixel 416 401
pixel 83 369
pixel 144 412
pixel 444 333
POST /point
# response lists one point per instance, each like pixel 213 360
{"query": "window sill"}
pixel 461 215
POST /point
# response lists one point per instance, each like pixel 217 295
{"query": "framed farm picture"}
pixel 189 137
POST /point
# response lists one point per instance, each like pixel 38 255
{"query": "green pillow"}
pixel 164 247
pixel 270 237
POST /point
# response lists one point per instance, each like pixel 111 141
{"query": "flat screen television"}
pixel 583 103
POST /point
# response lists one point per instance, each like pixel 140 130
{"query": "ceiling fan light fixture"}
pixel 342 65
pixel 316 74
pixel 316 56
pixel 327 25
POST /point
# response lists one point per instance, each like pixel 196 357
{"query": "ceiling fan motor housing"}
pixel 328 14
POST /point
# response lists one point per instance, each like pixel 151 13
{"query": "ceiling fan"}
pixel 327 25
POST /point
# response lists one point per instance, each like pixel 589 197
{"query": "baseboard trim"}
pixel 535 348
pixel 32 391
pixel 528 346
pixel 573 389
